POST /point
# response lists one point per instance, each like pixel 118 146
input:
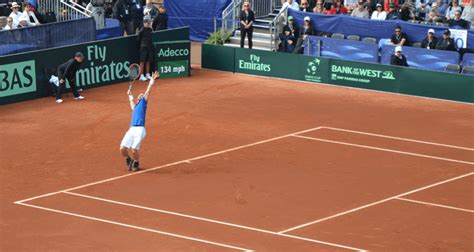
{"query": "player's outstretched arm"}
pixel 130 97
pixel 155 76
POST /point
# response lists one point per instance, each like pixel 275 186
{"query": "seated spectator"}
pixel 446 43
pixel 305 31
pixel 160 22
pixel 289 31
pixel 15 14
pixel 458 22
pixel 407 11
pixel 23 22
pixel 388 3
pixel 393 13
pixel 312 4
pixel 442 7
pixel 430 41
pixel 30 14
pixel 451 11
pixel 150 9
pixel 304 6
pixel 379 13
pixel 398 59
pixel 433 16
pixel 337 8
pixel 422 8
pixel 9 25
pixel 1 24
pixel 320 9
pixel 291 45
pixel 468 12
pixel 399 38
pixel 360 11
pixel 290 4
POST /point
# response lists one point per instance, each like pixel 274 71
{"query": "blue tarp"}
pixel 379 29
pixel 468 59
pixel 343 49
pixel 111 30
pixel 436 60
pixel 47 36
pixel 198 15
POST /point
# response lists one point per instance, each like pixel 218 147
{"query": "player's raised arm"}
pixel 155 76
pixel 130 97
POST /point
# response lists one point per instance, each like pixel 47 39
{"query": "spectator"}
pixel 150 9
pixel 458 22
pixel 451 11
pixel 15 14
pixel 422 9
pixel 320 9
pixel 360 11
pixel 433 16
pixel 146 48
pixel 136 11
pixel 430 41
pixel 312 4
pixel 290 4
pixel 160 22
pixel 29 13
pixel 393 13
pixel 305 31
pixel 1 24
pixel 247 18
pixel 389 3
pixel 379 13
pixel 407 11
pixel 398 59
pixel 399 38
pixel 9 25
pixel 442 7
pixel 67 71
pixel 122 14
pixel 291 45
pixel 468 12
pixel 23 22
pixel 304 6
pixel 289 31
pixel 337 8
pixel 446 43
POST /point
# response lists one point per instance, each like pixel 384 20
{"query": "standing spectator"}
pixel 451 11
pixel 446 43
pixel 305 31
pixel 398 59
pixel 150 9
pixel 337 8
pixel 28 12
pixel 399 38
pixel 290 4
pixel 289 31
pixel 160 22
pixel 393 13
pixel 136 11
pixel 379 13
pixel 15 14
pixel 304 6
pixel 458 22
pixel 247 18
pixel 9 25
pixel 67 71
pixel 430 41
pixel 360 11
pixel 146 48
pixel 122 14
pixel 468 12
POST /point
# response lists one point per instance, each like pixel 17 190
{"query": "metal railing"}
pixel 276 27
pixel 230 17
pixel 64 10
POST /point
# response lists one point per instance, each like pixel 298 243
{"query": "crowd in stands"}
pixel 452 14
pixel 21 17
pixel 131 13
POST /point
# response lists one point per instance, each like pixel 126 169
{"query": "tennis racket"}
pixel 134 70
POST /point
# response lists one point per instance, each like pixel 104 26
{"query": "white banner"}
pixel 460 37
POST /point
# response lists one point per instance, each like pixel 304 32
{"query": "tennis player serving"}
pixel 135 135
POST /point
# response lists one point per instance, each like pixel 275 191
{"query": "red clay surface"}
pixel 254 192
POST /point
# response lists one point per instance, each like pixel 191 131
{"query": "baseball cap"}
pixel 431 31
pixel 290 17
pixel 307 18
pixel 147 18
pixel 446 32
pixel 79 55
pixel 15 5
pixel 378 5
pixel 392 5
pixel 398 49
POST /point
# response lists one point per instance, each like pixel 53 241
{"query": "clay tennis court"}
pixel 236 162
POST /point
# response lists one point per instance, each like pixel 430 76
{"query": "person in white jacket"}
pixel 379 13
pixel 290 4
pixel 15 14
pixel 28 12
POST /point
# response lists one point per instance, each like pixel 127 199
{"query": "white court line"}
pixel 375 203
pixel 436 205
pixel 383 149
pixel 213 221
pixel 168 165
pixel 399 138
pixel 134 227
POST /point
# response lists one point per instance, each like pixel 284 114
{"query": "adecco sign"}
pixel 175 50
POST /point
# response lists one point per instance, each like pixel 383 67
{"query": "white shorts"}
pixel 133 138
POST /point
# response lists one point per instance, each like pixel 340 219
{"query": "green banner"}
pixel 173 58
pixel 25 76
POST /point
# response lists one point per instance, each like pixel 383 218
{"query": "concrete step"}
pixel 246 46
pixel 255 35
pixel 256 41
pixel 258 30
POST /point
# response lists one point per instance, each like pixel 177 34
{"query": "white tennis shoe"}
pixel 148 76
pixel 80 97
pixel 143 78
pixel 59 101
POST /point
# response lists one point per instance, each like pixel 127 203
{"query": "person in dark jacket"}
pixel 393 13
pixel 160 22
pixel 458 22
pixel 146 48
pixel 398 59
pixel 446 43
pixel 247 18
pixel 305 31
pixel 289 30
pixel 67 71
pixel 122 14
pixel 430 41
pixel 399 38
pixel 136 12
